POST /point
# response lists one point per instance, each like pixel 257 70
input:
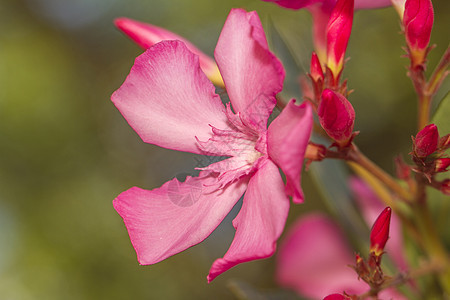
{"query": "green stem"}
pixel 423 110
pixel 439 74
pixel 430 239
pixel 356 156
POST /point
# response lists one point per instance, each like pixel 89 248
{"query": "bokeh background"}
pixel 66 152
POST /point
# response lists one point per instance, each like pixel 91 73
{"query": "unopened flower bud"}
pixel 146 35
pixel 316 71
pixel 380 232
pixel 402 169
pixel 418 20
pixel 426 141
pixel 444 142
pixel 445 187
pixel 336 115
pixel 339 28
pixel 442 164
pixel 336 297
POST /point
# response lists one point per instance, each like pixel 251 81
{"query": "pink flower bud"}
pixel 445 187
pixel 380 232
pixel 316 71
pixel 338 33
pixel 403 171
pixel 336 297
pixel 418 20
pixel 146 35
pixel 336 115
pixel 442 164
pixel 444 142
pixel 426 141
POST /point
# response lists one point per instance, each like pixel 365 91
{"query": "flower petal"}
pixel 370 4
pixel 260 221
pixel 359 4
pixel 168 100
pixel 167 220
pixel 146 35
pixel 314 258
pixel 294 4
pixel 287 138
pixel 252 74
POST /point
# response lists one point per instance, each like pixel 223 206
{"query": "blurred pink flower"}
pixel 170 103
pixel 146 35
pixel 314 260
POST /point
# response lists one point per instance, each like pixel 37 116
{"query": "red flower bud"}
pixel 339 28
pixel 336 115
pixel 418 21
pixel 426 141
pixel 402 169
pixel 336 297
pixel 380 232
pixel 445 187
pixel 442 164
pixel 316 71
pixel 444 142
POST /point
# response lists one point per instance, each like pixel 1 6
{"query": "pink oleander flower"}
pixel 418 20
pixel 314 260
pixel 169 102
pixel 321 12
pixel 337 116
pixel 146 35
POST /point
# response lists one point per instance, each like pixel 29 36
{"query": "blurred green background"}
pixel 66 152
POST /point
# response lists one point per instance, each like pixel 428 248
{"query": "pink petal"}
pixel 287 138
pixel 252 74
pixel 359 4
pixel 313 259
pixel 370 4
pixel 167 220
pixel 146 35
pixel 260 221
pixel 371 206
pixel 294 4
pixel 168 100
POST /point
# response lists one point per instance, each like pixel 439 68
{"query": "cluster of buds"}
pixel 429 155
pixel 418 20
pixel 370 271
pixel 327 73
pixel 328 95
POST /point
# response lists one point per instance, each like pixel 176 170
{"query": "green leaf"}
pixel 441 117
